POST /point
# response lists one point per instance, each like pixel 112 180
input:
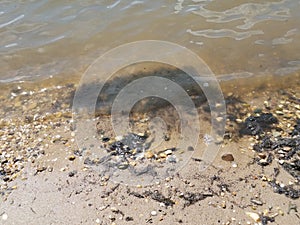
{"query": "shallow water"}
pixel 236 39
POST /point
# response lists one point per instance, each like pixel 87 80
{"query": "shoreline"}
pixel 47 179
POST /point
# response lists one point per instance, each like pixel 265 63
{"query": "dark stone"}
pixel 105 139
pixel 72 173
pixel 190 148
pixel 228 157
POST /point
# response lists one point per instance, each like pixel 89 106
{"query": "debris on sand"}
pixel 192 198
pixel 159 197
pixel 256 125
pixel 288 190
pixel 276 143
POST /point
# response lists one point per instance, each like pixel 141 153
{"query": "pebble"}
pixel 123 166
pixel 234 165
pixel 219 119
pixel 257 202
pixel 190 148
pixel 4 216
pixel 153 213
pixel 71 157
pixel 168 152
pixel 228 157
pixel 223 205
pixel 254 216
pixel 149 154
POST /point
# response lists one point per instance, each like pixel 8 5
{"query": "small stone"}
pixel 234 165
pixel 280 106
pixel 228 157
pixel 153 213
pixel 238 120
pixel 71 157
pixel 280 212
pixel 162 155
pixel 149 154
pixel 267 104
pixel 118 138
pixel 105 139
pixel 133 163
pixel 276 133
pixel 169 152
pixel 257 202
pixel 123 166
pixel 219 119
pixel 190 148
pixel 4 216
pixel 72 173
pixel 254 216
pixel 223 205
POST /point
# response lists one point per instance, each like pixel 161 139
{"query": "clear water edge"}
pixel 237 39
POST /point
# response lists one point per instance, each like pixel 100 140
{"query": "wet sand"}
pixel 46 180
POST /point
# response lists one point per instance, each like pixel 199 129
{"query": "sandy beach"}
pixel 46 178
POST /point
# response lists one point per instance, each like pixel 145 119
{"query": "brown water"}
pixel 236 38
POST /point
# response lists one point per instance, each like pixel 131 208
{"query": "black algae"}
pixel 159 197
pixel 288 191
pixel 256 125
pixel 265 219
pixel 192 198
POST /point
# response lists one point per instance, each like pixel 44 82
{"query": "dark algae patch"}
pixel 159 197
pixel 277 140
pixel 192 198
pixel 257 125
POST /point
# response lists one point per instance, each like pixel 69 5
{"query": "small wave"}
pixel 12 21
pixel 250 13
pixel 210 33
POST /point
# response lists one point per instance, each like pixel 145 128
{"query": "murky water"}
pixel 236 38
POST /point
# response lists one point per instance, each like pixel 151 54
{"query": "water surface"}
pixel 236 38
